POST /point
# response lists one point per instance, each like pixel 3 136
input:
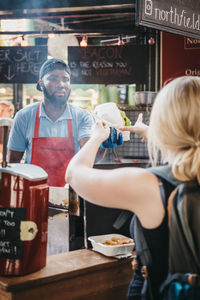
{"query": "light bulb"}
pixel 51 35
pixel 83 42
pixel 24 43
pixel 120 42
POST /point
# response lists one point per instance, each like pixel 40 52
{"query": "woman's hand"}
pixel 100 131
pixel 139 128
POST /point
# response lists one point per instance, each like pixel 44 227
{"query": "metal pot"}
pixel 144 98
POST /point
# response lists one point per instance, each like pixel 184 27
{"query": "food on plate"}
pixel 126 120
pixel 112 244
pixel 118 241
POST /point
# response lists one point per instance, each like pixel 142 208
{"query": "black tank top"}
pixel 158 242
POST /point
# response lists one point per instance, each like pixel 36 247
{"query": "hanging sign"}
pixel 21 64
pixel 108 65
pixel 175 16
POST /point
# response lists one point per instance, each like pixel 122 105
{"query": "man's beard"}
pixel 56 100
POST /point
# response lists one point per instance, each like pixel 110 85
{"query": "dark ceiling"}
pixel 104 18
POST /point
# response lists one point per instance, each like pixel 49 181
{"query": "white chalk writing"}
pixel 173 16
pixel 2 233
pixel 194 72
pixel 7 213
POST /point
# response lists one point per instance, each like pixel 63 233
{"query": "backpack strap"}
pixel 142 249
pixel 170 201
pixel 144 256
pixel 165 172
pixel 184 236
pixel 162 193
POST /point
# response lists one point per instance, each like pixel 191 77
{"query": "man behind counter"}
pixel 50 133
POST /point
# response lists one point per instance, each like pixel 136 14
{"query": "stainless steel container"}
pixel 145 98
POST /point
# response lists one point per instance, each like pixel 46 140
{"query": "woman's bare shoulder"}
pixel 147 203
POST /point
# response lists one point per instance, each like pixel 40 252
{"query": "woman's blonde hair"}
pixel 174 131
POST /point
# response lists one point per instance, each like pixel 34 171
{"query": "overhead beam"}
pixel 66 12
pixel 88 32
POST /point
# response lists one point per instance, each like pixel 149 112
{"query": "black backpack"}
pixel 183 280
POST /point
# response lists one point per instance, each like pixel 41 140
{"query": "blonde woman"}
pixel 173 133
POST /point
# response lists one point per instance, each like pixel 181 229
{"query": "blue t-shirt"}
pixel 22 132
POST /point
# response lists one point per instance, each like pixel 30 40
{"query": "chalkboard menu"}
pixel 10 244
pixel 108 65
pixel 21 64
pixel 175 16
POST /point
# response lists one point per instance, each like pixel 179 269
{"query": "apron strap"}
pixel 69 127
pixel 69 124
pixel 37 124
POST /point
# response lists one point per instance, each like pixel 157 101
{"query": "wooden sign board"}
pixel 21 64
pixel 175 16
pixel 108 65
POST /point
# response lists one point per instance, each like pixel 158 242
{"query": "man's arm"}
pixel 14 156
pixel 18 140
pixel 100 153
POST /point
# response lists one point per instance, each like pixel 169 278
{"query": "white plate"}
pixel 109 250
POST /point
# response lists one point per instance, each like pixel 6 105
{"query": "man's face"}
pixel 56 87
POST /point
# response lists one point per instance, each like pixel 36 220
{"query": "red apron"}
pixel 52 153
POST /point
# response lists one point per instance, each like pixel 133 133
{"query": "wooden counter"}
pixel 81 274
